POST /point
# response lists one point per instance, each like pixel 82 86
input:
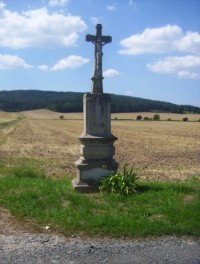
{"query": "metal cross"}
pixel 99 41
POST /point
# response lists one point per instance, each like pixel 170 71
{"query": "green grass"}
pixel 156 209
pixel 9 166
pixel 8 123
pixel 3 125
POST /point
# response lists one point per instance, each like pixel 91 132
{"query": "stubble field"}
pixel 158 150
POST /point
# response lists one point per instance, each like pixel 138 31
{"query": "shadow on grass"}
pixel 178 187
pixel 146 188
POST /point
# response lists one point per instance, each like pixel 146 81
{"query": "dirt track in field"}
pixel 48 140
pixel 164 150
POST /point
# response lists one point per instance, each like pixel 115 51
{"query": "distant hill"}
pixel 22 100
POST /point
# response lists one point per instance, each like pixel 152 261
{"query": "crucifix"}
pixel 99 41
pixel 97 142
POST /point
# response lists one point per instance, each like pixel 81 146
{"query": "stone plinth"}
pixel 97 150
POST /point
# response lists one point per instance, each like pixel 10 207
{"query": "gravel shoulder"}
pixel 20 244
pixel 43 248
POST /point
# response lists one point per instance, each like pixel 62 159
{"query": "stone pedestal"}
pixel 97 150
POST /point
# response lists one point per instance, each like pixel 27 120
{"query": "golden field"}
pixel 164 151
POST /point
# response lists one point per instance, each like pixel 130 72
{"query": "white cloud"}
pixel 111 7
pixel 38 28
pixel 129 92
pixel 71 62
pixel 161 40
pixel 110 73
pixel 11 62
pixel 43 67
pixel 189 43
pixel 96 20
pixel 183 67
pixel 167 39
pixel 188 75
pixel 2 5
pixel 58 2
pixel 130 2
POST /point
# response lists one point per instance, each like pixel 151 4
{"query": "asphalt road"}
pixel 45 248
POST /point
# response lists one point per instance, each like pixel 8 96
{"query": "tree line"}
pixel 22 100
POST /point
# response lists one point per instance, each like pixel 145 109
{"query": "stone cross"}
pixel 97 150
pixel 99 41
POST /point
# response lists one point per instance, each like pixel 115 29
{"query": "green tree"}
pixel 156 117
pixel 139 117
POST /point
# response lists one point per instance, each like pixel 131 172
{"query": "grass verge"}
pixel 156 209
pixel 9 166
pixel 7 125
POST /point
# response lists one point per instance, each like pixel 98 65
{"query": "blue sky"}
pixel 154 54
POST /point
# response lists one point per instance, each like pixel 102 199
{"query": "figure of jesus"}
pixel 98 59
pixel 99 41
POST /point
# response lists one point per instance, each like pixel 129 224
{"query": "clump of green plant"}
pixel 120 183
pixel 185 119
pixel 61 117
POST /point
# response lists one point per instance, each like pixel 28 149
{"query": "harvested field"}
pixel 164 151
pixel 45 114
pixel 159 150
pixel 7 116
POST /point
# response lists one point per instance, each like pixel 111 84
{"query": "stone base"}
pixel 90 172
pixel 84 187
pixel 97 144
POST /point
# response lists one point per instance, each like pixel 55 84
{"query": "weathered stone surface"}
pixel 99 41
pixel 97 149
pixel 97 114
